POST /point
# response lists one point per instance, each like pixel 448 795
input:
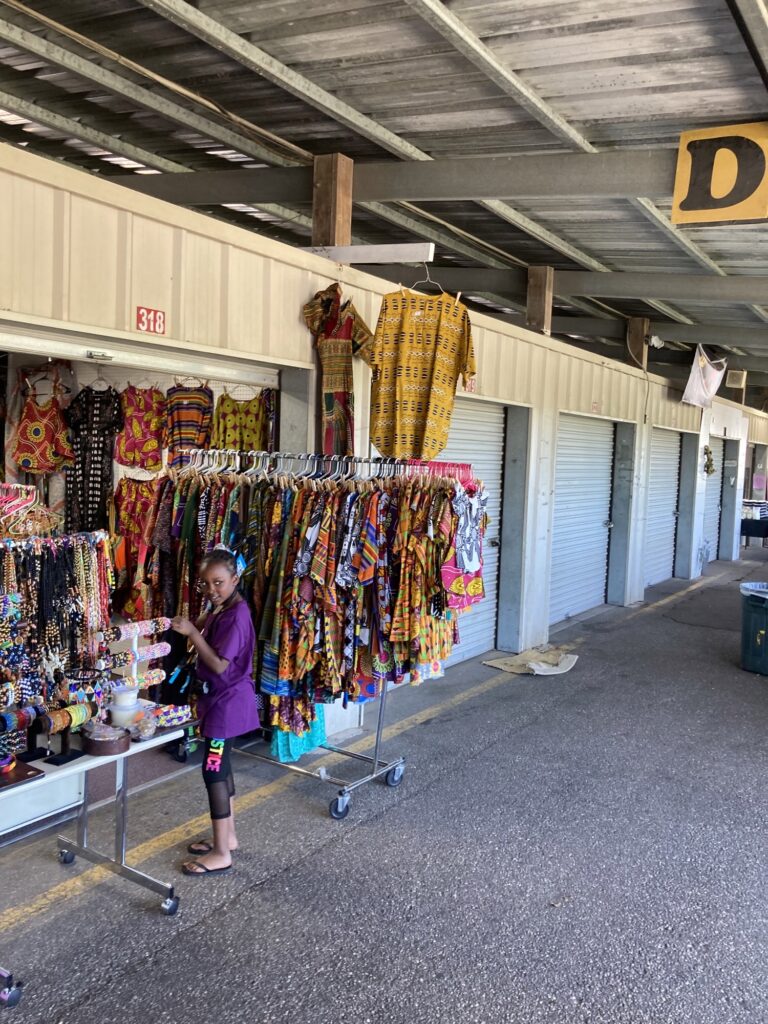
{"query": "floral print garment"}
pixel 139 443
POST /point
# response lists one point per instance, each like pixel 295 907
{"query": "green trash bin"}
pixel 754 627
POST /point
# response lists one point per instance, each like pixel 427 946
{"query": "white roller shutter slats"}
pixel 713 497
pixel 477 436
pixel 583 484
pixel 661 513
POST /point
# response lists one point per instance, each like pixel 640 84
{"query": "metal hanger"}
pixel 427 280
pixel 100 379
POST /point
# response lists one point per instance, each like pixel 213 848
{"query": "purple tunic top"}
pixel 229 707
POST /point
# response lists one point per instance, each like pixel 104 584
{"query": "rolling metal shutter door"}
pixel 712 499
pixel 584 471
pixel 661 515
pixel 477 436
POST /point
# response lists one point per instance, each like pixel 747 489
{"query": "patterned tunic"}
pixel 241 426
pixel 339 333
pixel 94 418
pixel 42 442
pixel 139 442
pixel 422 345
pixel 188 424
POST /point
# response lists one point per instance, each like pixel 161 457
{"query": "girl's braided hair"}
pixel 219 556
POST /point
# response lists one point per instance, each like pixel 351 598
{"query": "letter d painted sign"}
pixel 722 175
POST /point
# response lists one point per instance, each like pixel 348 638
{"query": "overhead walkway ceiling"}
pixel 138 86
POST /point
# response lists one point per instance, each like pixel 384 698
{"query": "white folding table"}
pixel 69 849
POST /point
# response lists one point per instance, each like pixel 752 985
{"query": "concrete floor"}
pixel 567 849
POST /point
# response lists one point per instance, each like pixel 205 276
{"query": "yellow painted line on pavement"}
pixel 73 887
pixel 674 597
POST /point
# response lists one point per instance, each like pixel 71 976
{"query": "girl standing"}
pixel 224 639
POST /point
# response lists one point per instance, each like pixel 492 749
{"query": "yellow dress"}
pixel 422 344
pixel 242 426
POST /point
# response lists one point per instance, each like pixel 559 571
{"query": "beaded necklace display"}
pixel 54 598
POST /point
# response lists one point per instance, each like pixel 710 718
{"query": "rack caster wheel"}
pixel 339 808
pixel 394 776
pixel 170 906
pixel 66 857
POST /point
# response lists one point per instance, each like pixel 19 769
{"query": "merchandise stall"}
pixel 86 439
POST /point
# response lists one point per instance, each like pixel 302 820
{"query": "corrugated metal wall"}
pixel 81 250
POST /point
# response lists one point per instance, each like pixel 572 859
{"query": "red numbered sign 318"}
pixel 150 321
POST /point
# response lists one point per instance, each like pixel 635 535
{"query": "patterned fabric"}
pixel 343 579
pixel 422 345
pixel 462 570
pixel 42 443
pixel 139 443
pixel 241 426
pixel 134 500
pixel 94 418
pixel 189 412
pixel 339 332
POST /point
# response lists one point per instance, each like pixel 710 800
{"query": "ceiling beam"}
pixel 681 287
pixel 692 334
pixel 682 241
pixel 751 17
pixel 112 144
pixel 609 175
pixel 87 69
pixel 678 287
pixel 509 281
pixel 456 32
pixel 213 32
pixel 466 42
pixel 72 129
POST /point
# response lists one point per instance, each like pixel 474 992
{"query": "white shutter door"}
pixel 661 514
pixel 713 497
pixel 583 475
pixel 477 436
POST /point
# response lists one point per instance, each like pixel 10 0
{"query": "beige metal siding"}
pixel 80 249
pixel 758 427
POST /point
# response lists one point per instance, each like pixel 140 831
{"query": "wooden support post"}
pixel 332 200
pixel 638 332
pixel 541 282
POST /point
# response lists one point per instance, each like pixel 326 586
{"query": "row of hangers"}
pixel 209 461
pixel 23 514
pixel 313 466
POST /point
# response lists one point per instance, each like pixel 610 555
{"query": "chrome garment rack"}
pixel 308 466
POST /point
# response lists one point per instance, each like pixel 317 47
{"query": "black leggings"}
pixel 217 776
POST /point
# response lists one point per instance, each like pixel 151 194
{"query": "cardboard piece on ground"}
pixel 520 664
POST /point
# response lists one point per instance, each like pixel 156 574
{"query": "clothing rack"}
pixel 332 467
pixel 314 464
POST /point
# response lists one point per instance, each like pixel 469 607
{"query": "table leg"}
pixel 82 815
pixel 121 809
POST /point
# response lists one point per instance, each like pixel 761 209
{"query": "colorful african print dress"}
pixel 139 443
pixel 340 332
pixel 189 412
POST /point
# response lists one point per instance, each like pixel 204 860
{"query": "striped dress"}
pixel 189 414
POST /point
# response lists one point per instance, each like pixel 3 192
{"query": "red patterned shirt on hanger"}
pixel 139 443
pixel 42 443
